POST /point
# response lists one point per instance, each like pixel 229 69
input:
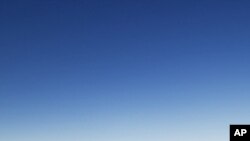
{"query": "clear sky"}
pixel 131 70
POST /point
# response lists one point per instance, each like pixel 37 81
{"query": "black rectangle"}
pixel 239 132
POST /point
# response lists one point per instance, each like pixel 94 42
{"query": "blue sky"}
pixel 96 70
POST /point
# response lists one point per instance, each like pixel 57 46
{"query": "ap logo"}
pixel 239 132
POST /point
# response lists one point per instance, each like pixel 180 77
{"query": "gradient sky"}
pixel 131 70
